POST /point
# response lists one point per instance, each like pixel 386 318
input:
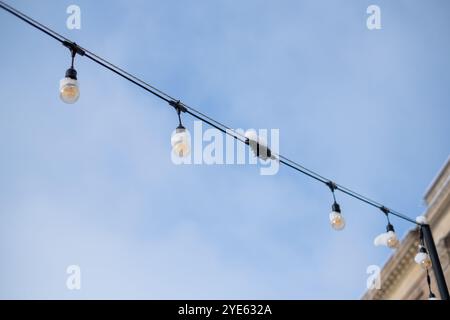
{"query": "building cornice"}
pixel 443 174
pixel 398 264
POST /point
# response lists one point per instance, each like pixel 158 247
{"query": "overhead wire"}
pixel 190 110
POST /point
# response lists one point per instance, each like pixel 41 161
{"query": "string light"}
pixel 431 295
pixel 388 238
pixel 423 259
pixel 69 93
pixel 69 90
pixel 189 110
pixel 337 221
pixel 180 138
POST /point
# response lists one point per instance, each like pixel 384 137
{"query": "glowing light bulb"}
pixel 337 221
pixel 180 142
pixel 392 240
pixel 388 238
pixel 423 259
pixel 69 90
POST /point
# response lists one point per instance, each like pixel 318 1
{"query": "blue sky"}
pixel 92 184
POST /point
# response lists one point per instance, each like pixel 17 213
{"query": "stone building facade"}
pixel 401 277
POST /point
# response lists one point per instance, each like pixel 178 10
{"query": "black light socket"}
pixel 390 227
pixel 336 208
pixel 71 73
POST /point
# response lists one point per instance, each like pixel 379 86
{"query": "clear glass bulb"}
pixel 423 259
pixel 180 143
pixel 69 90
pixel 392 241
pixel 337 220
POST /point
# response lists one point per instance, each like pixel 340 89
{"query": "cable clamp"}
pixel 331 185
pixel 74 48
pixel 178 106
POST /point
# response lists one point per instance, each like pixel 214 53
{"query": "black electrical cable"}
pixel 88 55
pixel 94 56
pixel 32 22
pixel 193 112
pixel 226 131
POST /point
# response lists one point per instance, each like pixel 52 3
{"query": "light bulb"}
pixel 336 219
pixel 392 241
pixel 388 239
pixel 423 259
pixel 180 142
pixel 432 296
pixel 69 90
